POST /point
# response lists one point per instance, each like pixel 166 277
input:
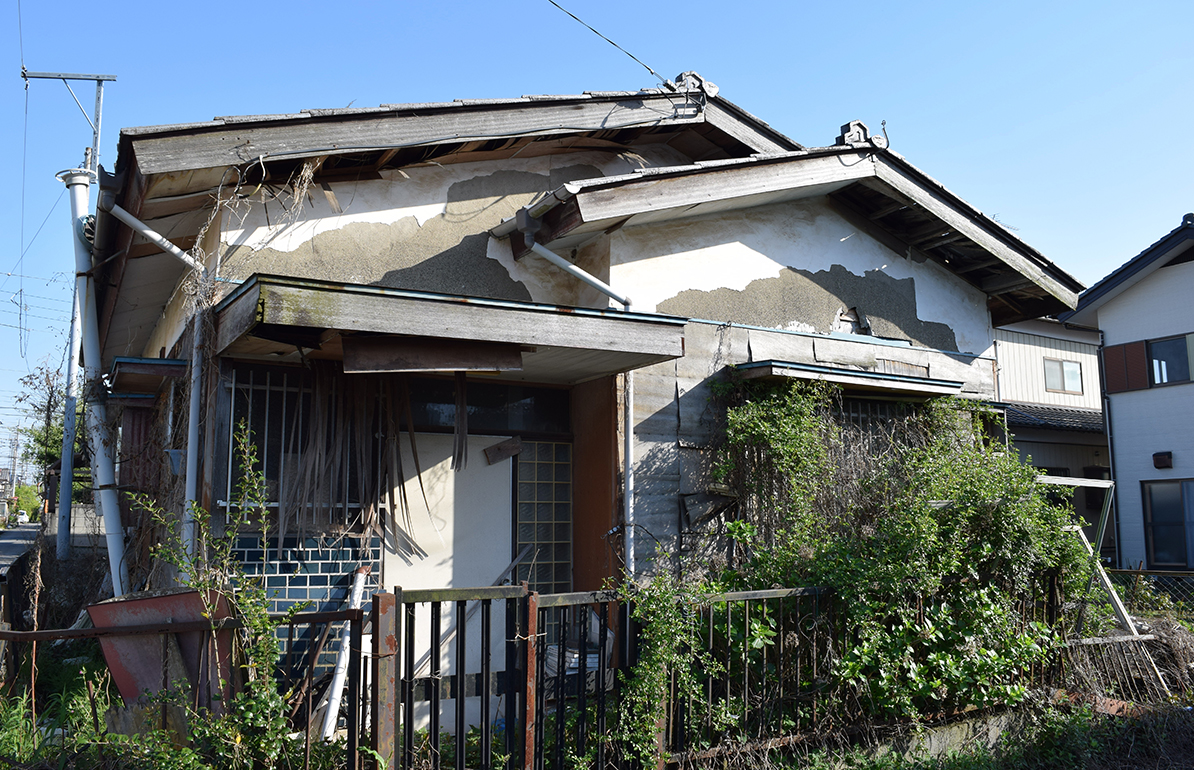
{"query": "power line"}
pixel 606 39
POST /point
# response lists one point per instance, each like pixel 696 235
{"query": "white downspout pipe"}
pixel 331 717
pixel 627 400
pixel 78 182
pixel 107 203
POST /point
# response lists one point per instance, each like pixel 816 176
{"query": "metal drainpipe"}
pixel 627 400
pixel 107 203
pixel 78 182
pixel 1119 553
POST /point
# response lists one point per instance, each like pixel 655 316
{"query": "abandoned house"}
pixel 474 340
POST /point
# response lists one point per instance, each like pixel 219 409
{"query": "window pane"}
pixel 1170 362
pixel 1073 376
pixel 1053 380
pixel 1166 523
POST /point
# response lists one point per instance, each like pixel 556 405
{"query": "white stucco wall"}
pixel 652 263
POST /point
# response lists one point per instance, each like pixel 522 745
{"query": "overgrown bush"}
pixel 935 538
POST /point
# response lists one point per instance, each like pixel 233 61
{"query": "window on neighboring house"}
pixel 1169 360
pixel 1063 376
pixel 1147 363
pixel 1168 522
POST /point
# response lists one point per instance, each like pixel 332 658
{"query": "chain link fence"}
pixel 1156 594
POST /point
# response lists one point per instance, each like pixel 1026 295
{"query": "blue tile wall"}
pixel 315 571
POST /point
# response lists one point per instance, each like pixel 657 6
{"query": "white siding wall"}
pixel 1022 369
pixel 1157 419
pixel 1160 305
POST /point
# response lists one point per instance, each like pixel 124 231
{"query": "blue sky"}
pixel 1063 120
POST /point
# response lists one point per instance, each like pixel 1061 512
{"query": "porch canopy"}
pixel 378 329
pixel 853 381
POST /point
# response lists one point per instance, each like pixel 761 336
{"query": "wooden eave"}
pixel 877 191
pixel 271 317
pixel 168 176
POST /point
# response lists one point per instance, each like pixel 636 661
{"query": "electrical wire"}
pixel 606 39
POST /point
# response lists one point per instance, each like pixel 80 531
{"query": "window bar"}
pixel 486 636
pixel 561 695
pixel 603 637
pixel 282 446
pixel 408 690
pixel 583 678
pixel 263 441
pixel 461 688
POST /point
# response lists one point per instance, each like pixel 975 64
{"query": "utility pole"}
pixel 66 481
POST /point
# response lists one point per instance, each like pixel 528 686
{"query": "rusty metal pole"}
pixel 385 677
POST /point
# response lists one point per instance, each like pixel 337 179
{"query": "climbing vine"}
pixel 934 536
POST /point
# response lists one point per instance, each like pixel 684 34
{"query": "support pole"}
pixel 66 480
pixel 78 182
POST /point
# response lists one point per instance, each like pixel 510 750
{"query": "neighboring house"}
pixel 1146 316
pixel 1049 386
pixel 368 271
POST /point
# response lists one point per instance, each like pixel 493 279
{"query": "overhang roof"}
pixel 270 317
pixel 876 189
pixel 1175 245
pixel 852 380
pixel 168 175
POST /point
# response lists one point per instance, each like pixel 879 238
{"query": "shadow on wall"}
pixel 446 255
pixel 802 299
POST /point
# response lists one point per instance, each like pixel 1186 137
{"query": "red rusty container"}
pixel 143 663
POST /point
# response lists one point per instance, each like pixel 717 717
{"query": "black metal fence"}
pixel 505 677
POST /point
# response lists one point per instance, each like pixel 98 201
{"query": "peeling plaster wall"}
pixel 794 266
pixel 425 229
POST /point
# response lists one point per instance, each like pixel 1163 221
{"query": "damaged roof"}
pixel 169 176
pixel 874 188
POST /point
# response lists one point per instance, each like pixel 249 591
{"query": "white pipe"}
pixel 576 272
pixel 151 235
pixel 627 401
pixel 107 203
pixel 332 715
pixel 66 478
pixel 78 182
